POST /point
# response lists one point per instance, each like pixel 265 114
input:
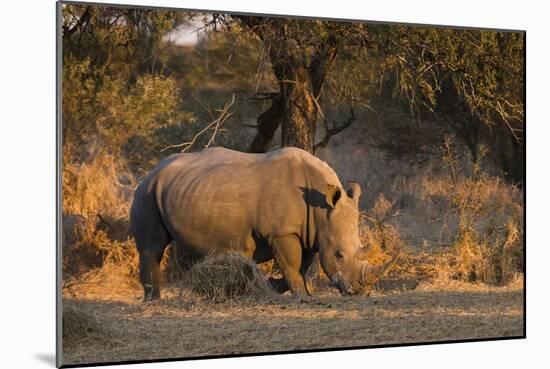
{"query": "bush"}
pixel 488 245
pixel 96 202
pixel 377 233
pixel 102 110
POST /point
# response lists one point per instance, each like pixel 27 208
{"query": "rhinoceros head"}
pixel 341 253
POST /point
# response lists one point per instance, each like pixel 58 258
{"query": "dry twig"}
pixel 223 114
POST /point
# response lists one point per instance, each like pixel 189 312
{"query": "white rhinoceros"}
pixel 285 204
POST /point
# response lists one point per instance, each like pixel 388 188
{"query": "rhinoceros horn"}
pixel 369 274
pixel 354 191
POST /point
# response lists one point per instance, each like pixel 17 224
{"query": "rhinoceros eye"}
pixel 339 254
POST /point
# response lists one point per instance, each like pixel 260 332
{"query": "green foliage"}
pixel 446 71
pixel 127 39
pixel 120 72
pixel 112 87
pixel 101 111
pixel 467 81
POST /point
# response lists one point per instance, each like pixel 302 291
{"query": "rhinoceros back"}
pixel 219 199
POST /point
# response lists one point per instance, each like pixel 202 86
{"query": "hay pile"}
pixel 221 278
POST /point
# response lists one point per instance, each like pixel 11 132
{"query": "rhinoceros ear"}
pixel 354 190
pixel 333 195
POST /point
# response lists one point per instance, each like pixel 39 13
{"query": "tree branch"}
pixel 268 122
pixel 84 18
pixel 334 130
pixel 224 113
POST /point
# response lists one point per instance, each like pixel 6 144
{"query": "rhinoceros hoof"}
pixel 151 295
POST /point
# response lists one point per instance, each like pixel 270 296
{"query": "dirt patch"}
pixel 184 324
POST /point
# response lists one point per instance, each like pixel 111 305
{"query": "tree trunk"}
pixel 301 90
pixel 300 77
pixel 300 119
pixel 267 123
pixel 294 110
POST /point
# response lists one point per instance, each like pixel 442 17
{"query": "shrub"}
pixel 380 236
pixel 102 109
pixel 488 245
pixel 377 232
pixel 96 202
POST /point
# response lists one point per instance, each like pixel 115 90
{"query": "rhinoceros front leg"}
pixel 287 252
pixel 279 284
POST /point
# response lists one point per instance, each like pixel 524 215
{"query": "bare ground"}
pixel 107 327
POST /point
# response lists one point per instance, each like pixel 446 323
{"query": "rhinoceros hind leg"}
pixel 151 238
pixel 151 243
pixel 149 274
pixel 287 252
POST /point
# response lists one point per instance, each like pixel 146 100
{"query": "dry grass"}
pixel 105 319
pixel 227 277
pixel 101 186
pixel 77 324
pixel 97 248
pixel 377 233
pixel 488 244
pixel 183 325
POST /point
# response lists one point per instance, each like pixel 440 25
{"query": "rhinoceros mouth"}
pixel 338 282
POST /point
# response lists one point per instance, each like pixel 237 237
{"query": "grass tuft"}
pixel 220 278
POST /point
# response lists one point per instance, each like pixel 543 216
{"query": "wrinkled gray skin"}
pixel 285 204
